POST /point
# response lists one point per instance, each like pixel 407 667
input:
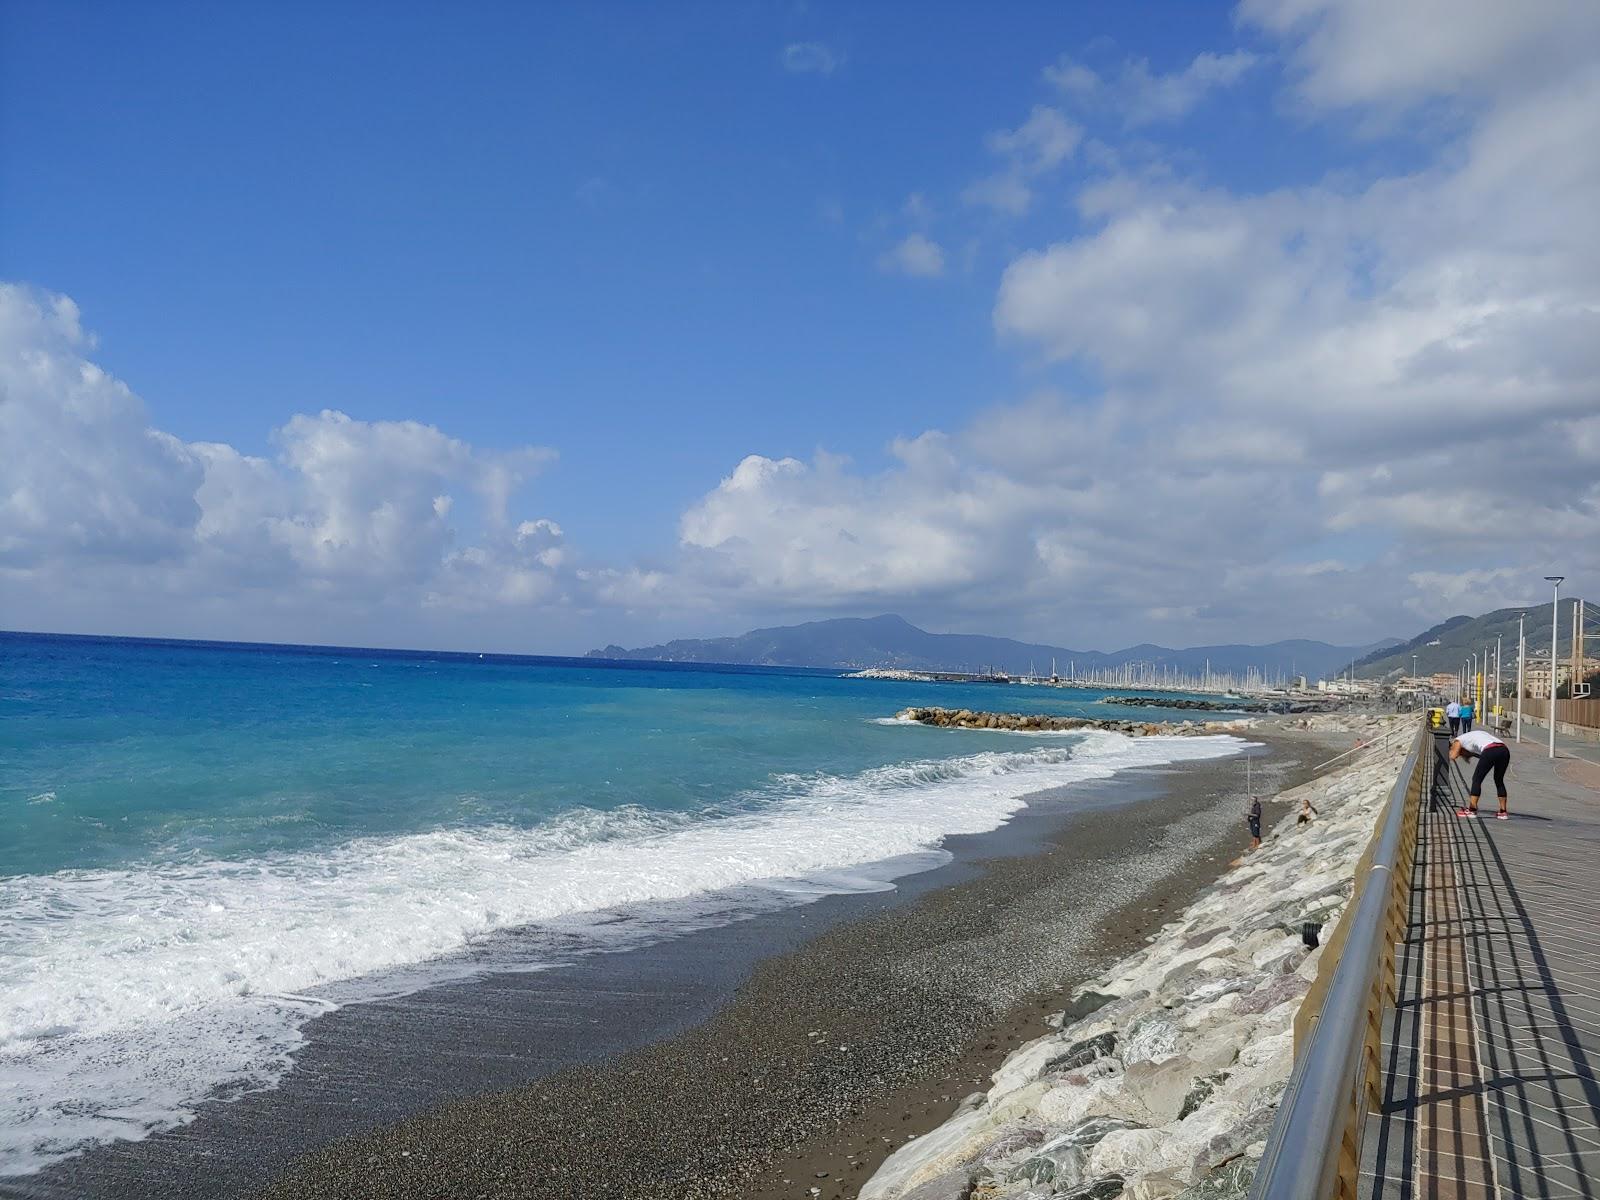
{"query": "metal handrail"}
pixel 1314 1149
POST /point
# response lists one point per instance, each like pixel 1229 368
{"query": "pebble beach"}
pixel 1167 1088
pixel 859 1045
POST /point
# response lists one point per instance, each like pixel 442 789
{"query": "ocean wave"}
pixel 128 996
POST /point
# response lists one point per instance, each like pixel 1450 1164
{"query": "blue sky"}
pixel 659 239
pixel 625 231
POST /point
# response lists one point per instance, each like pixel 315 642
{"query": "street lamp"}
pixel 1522 653
pixel 1555 624
pixel 1472 688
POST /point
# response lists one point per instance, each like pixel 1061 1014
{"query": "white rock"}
pixel 1176 1021
pixel 1127 1152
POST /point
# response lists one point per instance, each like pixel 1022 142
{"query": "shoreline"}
pixel 1164 1080
pixel 738 1104
pixel 673 991
pixel 852 1152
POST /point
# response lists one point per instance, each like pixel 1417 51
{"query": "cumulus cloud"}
pixel 1035 148
pixel 1362 402
pixel 810 58
pixel 362 513
pixel 80 471
pixel 914 255
pixel 1370 54
pixel 1139 96
pixel 1058 517
pixel 1072 77
pixel 1344 406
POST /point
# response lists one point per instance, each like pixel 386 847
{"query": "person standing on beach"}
pixel 1492 755
pixel 1453 712
pixel 1253 819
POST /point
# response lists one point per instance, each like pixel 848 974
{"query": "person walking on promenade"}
pixel 1453 712
pixel 1492 755
pixel 1253 819
pixel 1466 715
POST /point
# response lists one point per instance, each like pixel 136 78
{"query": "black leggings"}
pixel 1496 759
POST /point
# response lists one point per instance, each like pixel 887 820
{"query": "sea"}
pixel 204 846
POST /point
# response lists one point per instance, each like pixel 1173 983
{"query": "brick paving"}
pixel 1491 1054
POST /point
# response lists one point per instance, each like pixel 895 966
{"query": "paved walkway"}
pixel 1493 1050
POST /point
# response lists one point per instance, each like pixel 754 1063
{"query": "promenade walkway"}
pixel 1493 1050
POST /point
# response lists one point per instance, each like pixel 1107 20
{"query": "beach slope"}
pixel 1168 1086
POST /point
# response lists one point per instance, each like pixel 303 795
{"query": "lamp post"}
pixel 1522 653
pixel 1555 626
pixel 1497 649
pixel 1472 688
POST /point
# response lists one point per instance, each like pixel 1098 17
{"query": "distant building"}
pixel 1347 687
pixel 1536 675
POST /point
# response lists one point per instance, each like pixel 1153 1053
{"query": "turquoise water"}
pixel 206 845
pixel 115 752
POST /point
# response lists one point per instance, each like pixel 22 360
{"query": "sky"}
pixel 535 328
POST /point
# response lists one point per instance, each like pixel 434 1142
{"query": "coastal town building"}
pixel 1536 675
pixel 1348 687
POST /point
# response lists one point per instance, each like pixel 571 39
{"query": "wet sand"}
pixel 786 1052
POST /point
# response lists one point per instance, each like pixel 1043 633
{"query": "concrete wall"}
pixel 1585 732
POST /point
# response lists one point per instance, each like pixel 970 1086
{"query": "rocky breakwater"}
pixel 965 718
pixel 1169 1084
pixel 1184 705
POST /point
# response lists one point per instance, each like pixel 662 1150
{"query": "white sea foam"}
pixel 128 996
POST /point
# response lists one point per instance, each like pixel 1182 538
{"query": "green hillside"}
pixel 1459 637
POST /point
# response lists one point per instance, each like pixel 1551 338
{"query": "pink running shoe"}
pixel 1461 812
pixel 1502 816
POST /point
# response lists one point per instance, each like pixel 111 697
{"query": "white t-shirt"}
pixel 1452 709
pixel 1478 741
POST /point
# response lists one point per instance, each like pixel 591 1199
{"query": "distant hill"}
pixel 891 641
pixel 1460 636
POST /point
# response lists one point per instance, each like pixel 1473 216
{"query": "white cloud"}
pixel 1035 148
pixel 1469 591
pixel 810 58
pixel 1340 408
pixel 81 472
pixel 354 512
pixel 1041 143
pixel 914 255
pixel 1139 96
pixel 1149 96
pixel 1370 52
pixel 1072 77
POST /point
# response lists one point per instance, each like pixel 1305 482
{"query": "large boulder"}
pixel 1160 1088
pixel 1230 1181
pixel 1082 1053
pixel 1151 1039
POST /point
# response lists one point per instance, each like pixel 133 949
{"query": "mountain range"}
pixel 1448 644
pixel 891 641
